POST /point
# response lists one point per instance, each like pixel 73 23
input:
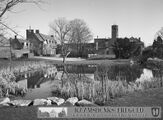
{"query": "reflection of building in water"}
pixel 78 68
pixel 35 79
pixel 31 80
pixel 123 72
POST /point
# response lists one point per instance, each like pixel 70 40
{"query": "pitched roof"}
pixel 43 37
pixel 39 37
pixel 4 42
pixel 22 40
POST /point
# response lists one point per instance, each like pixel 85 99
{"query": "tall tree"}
pixel 158 47
pixel 159 33
pixel 80 33
pixel 66 32
pixel 61 29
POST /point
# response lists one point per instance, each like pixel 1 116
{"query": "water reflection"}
pixel 37 82
pixel 91 81
pixel 96 83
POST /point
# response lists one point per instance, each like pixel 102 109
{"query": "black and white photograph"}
pixel 100 59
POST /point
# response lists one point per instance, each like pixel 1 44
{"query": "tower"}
pixel 114 32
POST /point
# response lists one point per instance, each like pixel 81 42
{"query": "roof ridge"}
pixel 41 36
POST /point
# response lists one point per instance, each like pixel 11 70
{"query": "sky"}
pixel 137 18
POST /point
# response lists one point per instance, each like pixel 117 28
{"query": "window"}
pixel 96 45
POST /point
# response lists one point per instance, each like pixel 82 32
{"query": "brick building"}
pixel 105 45
pixel 41 44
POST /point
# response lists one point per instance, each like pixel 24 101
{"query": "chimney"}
pixel 37 31
pixel 15 36
pixel 29 33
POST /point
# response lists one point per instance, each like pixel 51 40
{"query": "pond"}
pixel 92 82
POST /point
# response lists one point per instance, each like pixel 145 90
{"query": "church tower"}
pixel 114 32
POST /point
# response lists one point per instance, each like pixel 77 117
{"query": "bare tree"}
pixel 66 32
pixel 61 29
pixel 80 33
pixel 8 5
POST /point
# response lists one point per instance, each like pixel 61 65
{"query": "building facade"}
pixel 105 45
pixel 41 44
pixel 5 48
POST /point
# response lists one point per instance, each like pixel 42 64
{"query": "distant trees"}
pixel 80 33
pixel 125 49
pixel 158 47
pixel 66 32
pixel 122 48
pixel 155 50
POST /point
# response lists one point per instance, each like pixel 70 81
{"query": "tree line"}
pixel 155 50
pixel 124 48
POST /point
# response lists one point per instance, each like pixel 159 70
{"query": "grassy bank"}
pixel 151 97
pixel 101 92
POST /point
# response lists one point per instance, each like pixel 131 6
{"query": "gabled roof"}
pixel 22 40
pixel 4 42
pixel 39 37
pixel 43 37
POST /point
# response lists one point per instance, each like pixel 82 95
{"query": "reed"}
pixel 9 72
pixel 101 92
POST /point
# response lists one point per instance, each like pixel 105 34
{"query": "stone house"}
pixel 104 46
pixel 101 45
pixel 20 47
pixel 41 44
pixel 5 48
pixel 18 44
